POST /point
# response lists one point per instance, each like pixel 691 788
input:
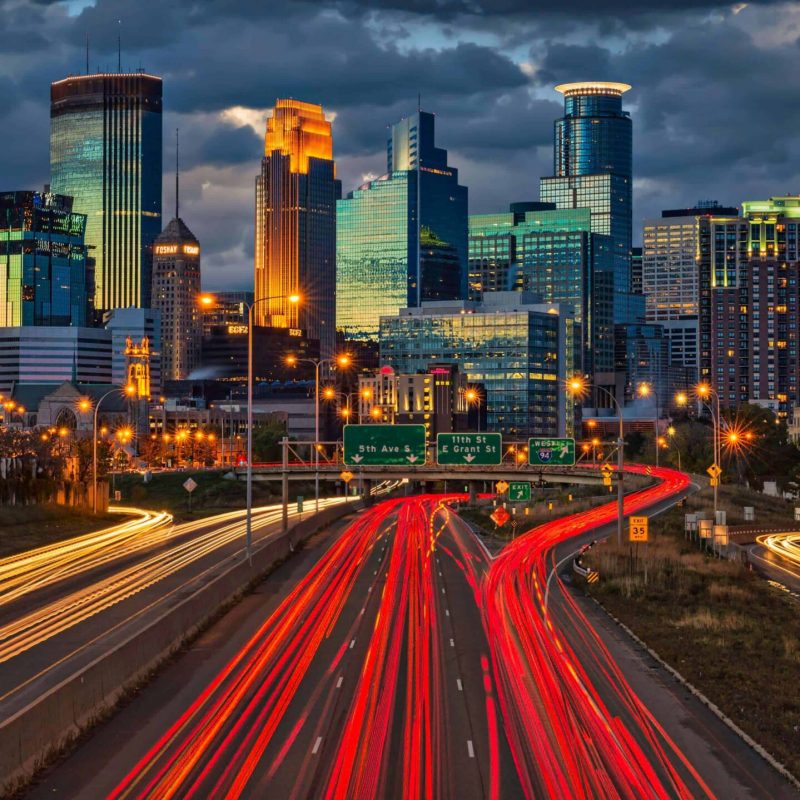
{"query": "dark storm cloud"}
pixel 715 103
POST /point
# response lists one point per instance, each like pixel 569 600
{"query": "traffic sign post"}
pixel 638 529
pixel 384 445
pixel 190 485
pixel 519 491
pixel 476 449
pixel 551 452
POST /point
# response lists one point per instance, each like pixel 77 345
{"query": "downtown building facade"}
pixel 175 295
pixel 593 168
pixel 46 277
pixel 106 153
pixel 553 254
pixel 671 256
pixel 520 350
pixel 750 281
pixel 295 224
pixel 401 239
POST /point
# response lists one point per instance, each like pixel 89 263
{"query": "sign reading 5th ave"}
pixel 384 445
pixel 480 449
pixel 551 452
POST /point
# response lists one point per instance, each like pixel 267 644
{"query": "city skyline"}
pixel 492 93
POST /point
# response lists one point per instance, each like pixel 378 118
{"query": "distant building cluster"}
pixel 396 272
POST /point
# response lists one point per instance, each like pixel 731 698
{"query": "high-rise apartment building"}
pixel 671 267
pixel 519 349
pixel 751 266
pixel 45 276
pixel 295 240
pixel 592 167
pixel 402 238
pixel 175 294
pixel 105 152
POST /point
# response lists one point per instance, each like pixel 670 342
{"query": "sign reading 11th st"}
pixel 479 449
pixel 384 445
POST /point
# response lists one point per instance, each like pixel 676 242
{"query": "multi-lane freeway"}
pixel 778 556
pixel 64 604
pixel 403 661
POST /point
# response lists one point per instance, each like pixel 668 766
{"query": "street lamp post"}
pixel 577 387
pixel 645 390
pixel 706 394
pixel 342 360
pixel 207 301
pixel 130 390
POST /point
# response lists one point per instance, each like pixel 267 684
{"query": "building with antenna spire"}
pixel 175 291
pixel 105 152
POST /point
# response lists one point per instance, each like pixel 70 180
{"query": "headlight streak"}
pixel 784 545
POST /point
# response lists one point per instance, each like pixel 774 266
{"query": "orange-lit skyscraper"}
pixel 295 247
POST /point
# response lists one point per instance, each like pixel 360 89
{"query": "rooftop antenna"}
pixel 177 172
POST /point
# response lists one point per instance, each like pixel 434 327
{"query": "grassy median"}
pixel 729 632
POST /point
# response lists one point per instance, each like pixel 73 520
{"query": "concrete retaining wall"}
pixel 64 710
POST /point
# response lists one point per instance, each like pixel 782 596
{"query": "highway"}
pixel 63 604
pixel 403 661
pixel 778 556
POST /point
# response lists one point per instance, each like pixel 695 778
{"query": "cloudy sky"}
pixel 715 103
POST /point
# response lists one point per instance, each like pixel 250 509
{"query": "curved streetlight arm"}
pixel 94 448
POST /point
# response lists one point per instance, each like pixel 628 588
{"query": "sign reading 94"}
pixel 551 452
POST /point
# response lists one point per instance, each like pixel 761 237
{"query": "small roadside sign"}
pixel 714 470
pixel 500 516
pixel 638 529
pixel 519 491
pixel 300 499
pixel 346 476
pixel 190 485
pixel 501 487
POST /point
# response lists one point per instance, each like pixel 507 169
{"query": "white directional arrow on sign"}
pixel 357 458
pixel 411 459
pixel 469 458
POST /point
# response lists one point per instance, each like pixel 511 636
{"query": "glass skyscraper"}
pixel 105 152
pixel 520 350
pixel 401 239
pixel 553 254
pixel 45 276
pixel 592 164
pixel 295 247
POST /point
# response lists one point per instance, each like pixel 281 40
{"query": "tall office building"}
pixel 522 351
pixel 670 276
pixel 45 276
pixel 295 240
pixel 592 167
pixel 105 152
pixel 553 254
pixel 176 290
pixel 402 238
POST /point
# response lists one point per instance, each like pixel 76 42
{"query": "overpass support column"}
pixel 367 496
pixel 473 492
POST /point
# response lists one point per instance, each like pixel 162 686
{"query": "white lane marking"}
pixel 458 683
pixel 447 612
pixel 339 682
pixel 452 643
pixel 316 745
pixel 352 642
pixel 470 748
pixel 363 609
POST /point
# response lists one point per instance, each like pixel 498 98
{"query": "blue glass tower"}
pixel 592 163
pixel 401 239
pixel 45 276
pixel 105 152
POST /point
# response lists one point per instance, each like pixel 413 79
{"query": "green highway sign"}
pixel 519 491
pixel 551 452
pixel 476 449
pixel 384 445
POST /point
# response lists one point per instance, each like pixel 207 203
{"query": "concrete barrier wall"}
pixel 47 724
